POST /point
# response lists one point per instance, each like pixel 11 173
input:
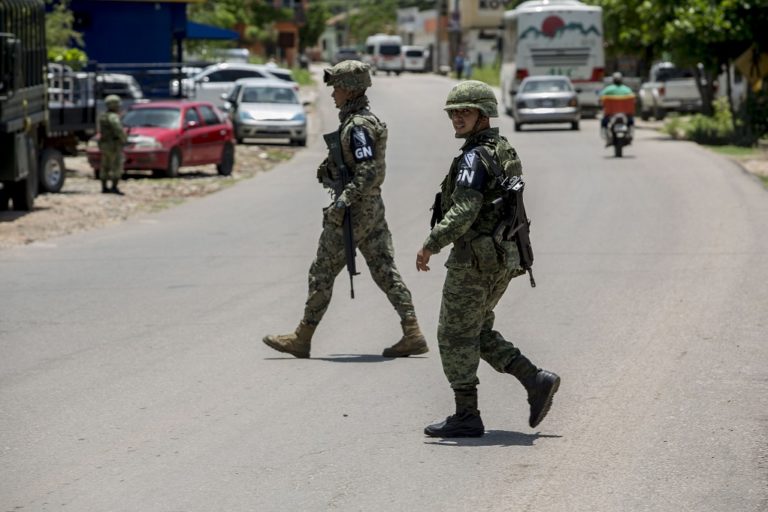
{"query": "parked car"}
pixel 210 83
pixel 415 59
pixel 267 109
pixel 345 54
pixel 546 99
pixel 668 89
pixel 166 135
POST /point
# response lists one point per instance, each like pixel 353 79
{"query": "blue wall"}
pixel 129 32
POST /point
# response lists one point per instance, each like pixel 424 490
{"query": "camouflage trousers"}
pixel 465 330
pixel 111 167
pixel 374 241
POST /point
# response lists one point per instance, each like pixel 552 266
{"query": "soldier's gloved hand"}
pixel 334 214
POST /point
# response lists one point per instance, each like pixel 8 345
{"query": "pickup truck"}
pixel 670 89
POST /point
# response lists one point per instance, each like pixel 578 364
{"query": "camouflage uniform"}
pixel 363 140
pixel 111 144
pixel 479 269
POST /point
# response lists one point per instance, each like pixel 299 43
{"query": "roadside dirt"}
pixel 81 206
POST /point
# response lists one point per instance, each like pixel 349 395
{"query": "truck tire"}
pixel 52 170
pixel 4 198
pixel 23 193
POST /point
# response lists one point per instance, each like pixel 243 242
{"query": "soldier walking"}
pixel 363 142
pixel 479 267
pixel 111 144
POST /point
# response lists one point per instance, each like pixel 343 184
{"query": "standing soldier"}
pixel 479 267
pixel 111 144
pixel 363 146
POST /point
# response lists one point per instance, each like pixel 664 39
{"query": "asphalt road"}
pixel 133 378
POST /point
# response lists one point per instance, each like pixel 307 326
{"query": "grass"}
pixel 736 151
pixel 487 74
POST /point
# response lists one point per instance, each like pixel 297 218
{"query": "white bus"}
pixel 554 37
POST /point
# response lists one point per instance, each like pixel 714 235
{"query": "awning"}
pixel 200 31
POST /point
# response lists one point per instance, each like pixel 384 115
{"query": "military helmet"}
pixel 348 74
pixel 113 100
pixel 473 94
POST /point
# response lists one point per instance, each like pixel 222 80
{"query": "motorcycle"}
pixel 619 130
pixel 619 133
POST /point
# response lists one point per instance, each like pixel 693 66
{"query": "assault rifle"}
pixel 515 224
pixel 333 141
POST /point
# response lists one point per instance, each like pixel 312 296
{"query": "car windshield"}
pixel 265 94
pixel 547 86
pixel 153 117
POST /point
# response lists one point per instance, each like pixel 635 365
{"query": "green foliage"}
pixel 712 130
pixel 60 36
pixel 487 74
pixel 373 17
pixel 72 57
pixel 317 15
pixel 674 125
pixel 302 76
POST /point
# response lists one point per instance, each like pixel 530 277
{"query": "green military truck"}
pixel 43 111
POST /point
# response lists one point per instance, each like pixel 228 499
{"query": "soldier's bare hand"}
pixel 422 259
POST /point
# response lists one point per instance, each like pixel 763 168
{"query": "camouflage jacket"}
pixel 468 192
pixel 112 134
pixel 363 145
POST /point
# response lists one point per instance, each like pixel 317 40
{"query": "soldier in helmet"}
pixel 479 267
pixel 363 140
pixel 111 144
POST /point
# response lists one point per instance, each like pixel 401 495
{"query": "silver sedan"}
pixel 267 109
pixel 546 99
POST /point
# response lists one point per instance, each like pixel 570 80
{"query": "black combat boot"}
pixel 541 386
pixel 116 190
pixel 465 423
pixel 104 188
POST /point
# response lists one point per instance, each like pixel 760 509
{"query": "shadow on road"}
pixel 495 438
pixel 349 358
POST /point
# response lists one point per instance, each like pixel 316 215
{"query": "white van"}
pixel 384 53
pixel 414 59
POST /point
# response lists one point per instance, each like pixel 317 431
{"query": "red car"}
pixel 165 135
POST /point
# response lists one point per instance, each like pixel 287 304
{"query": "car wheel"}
pixel 227 163
pixel 659 113
pixel 240 140
pixel 96 173
pixel 52 170
pixel 574 125
pixel 645 115
pixel 299 142
pixel 174 162
pixel 518 126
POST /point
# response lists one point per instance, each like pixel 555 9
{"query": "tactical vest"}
pixel 109 126
pixel 377 129
pixel 500 160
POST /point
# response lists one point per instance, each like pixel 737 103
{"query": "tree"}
pixel 373 17
pixel 254 18
pixel 707 35
pixel 310 32
pixel 60 36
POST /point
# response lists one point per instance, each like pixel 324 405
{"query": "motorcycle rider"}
pixel 617 88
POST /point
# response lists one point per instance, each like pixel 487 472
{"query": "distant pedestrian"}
pixel 458 65
pixel 112 138
pixel 468 69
